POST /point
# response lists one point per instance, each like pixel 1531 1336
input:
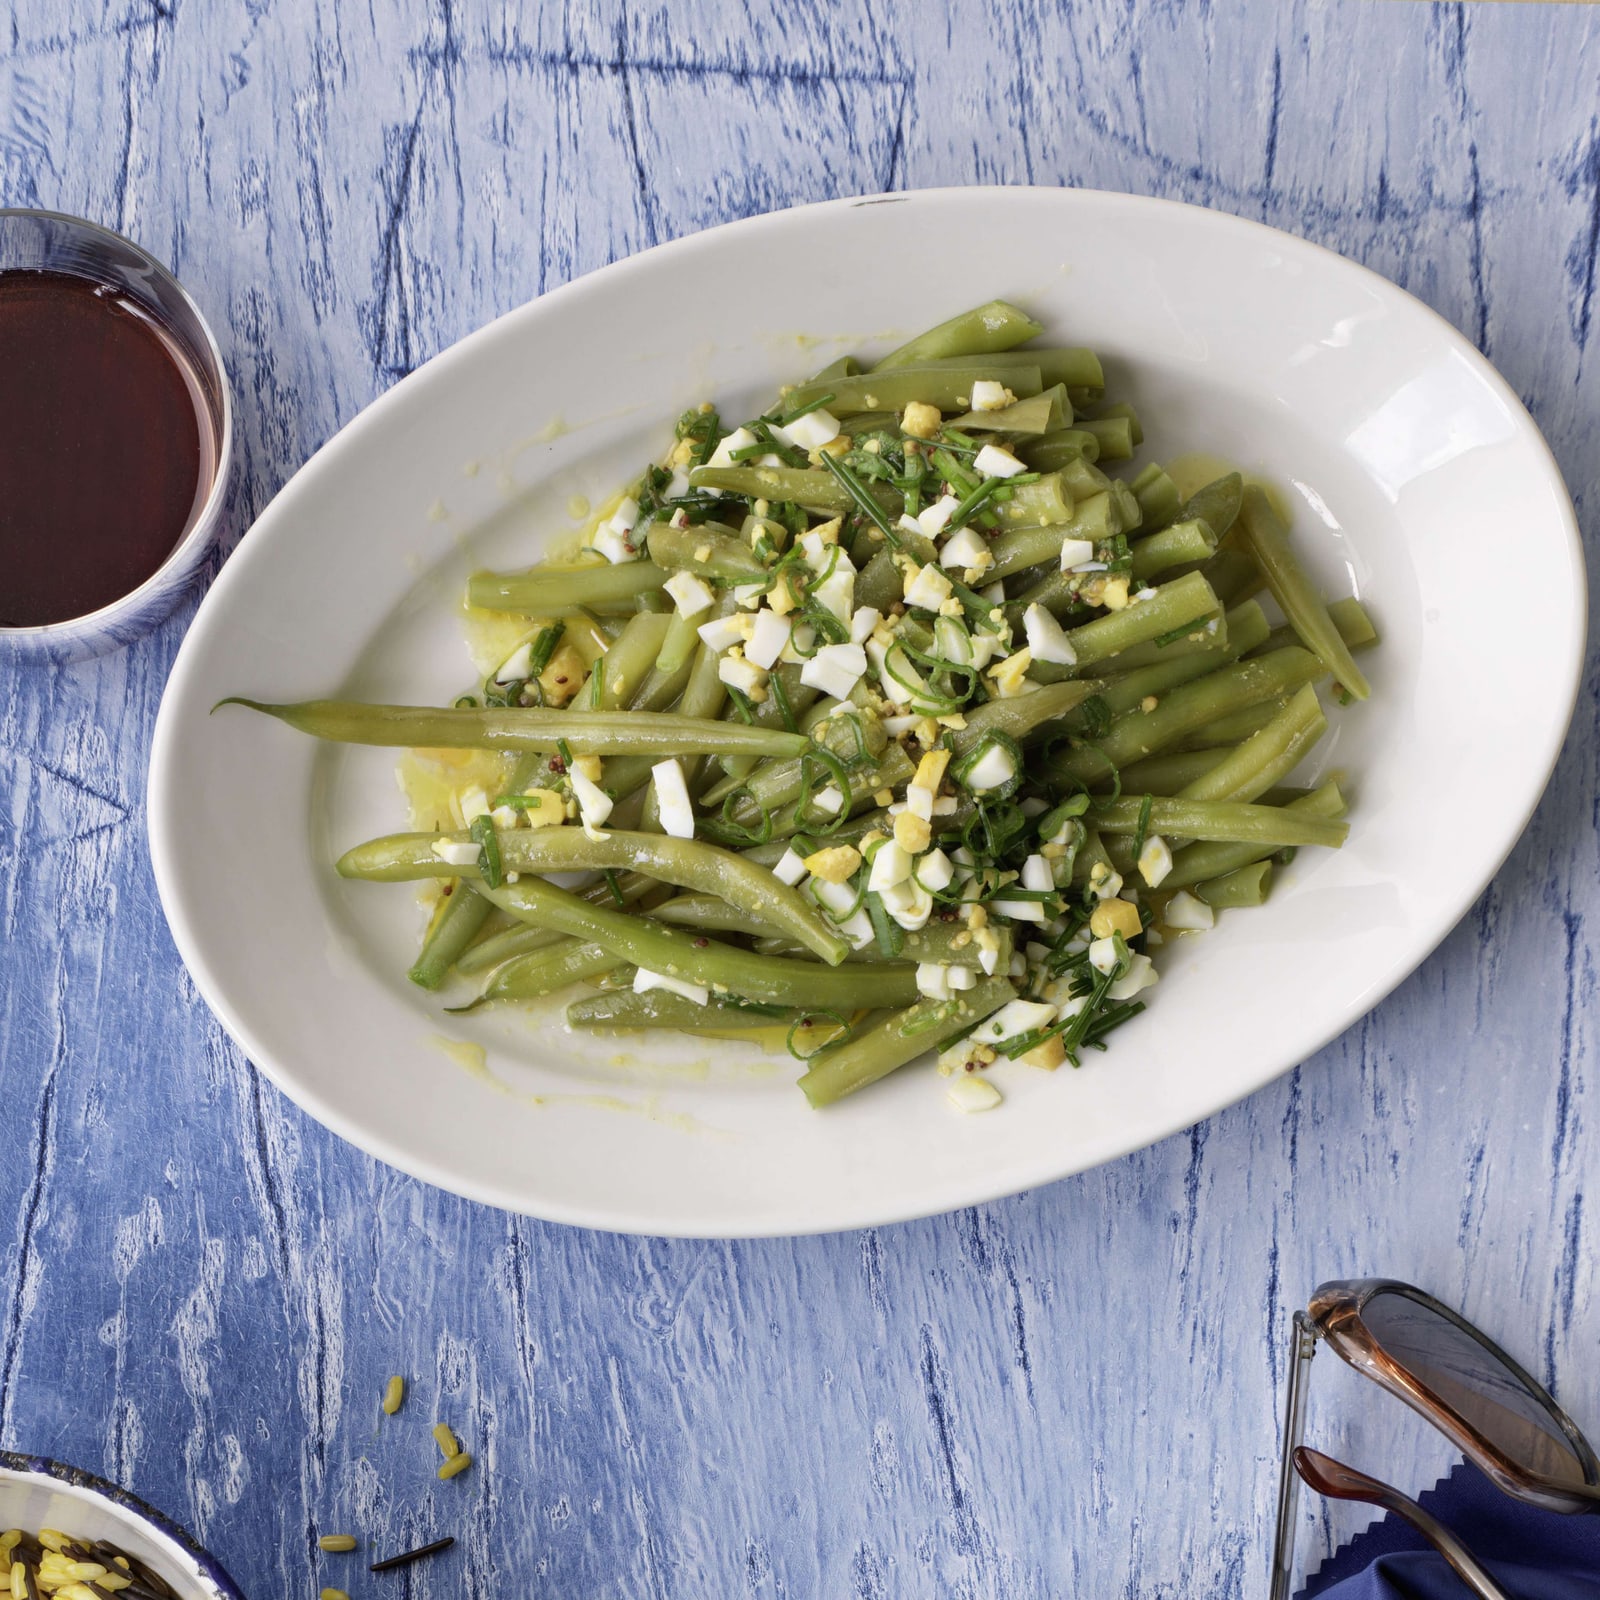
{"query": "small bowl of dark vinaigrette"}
pixel 116 436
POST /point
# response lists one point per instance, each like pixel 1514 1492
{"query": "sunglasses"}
pixel 1501 1419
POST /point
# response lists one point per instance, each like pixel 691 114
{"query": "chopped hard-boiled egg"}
pixel 810 432
pixel 767 639
pixel 993 769
pixel 789 868
pixel 927 588
pixel 835 669
pixel 720 633
pixel 741 674
pixel 1047 639
pixel 1188 913
pixel 594 804
pixel 971 1094
pixel 1155 860
pixel 933 519
pixel 673 805
pixel 1074 552
pixel 691 595
pixel 644 981
pixel 739 439
pixel 994 462
pixel 964 549
pixel 989 395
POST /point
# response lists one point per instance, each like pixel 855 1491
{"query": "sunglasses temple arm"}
pixel 1302 1346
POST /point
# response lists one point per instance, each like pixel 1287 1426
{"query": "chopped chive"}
pixel 611 884
pixel 565 752
pixel 544 646
pixel 389 1563
pixel 858 492
pixel 741 704
pixel 518 802
pixel 1181 632
pixel 488 850
pixel 780 698
pixel 1143 829
pixel 807 409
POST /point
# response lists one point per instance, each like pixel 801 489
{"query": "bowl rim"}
pixel 879 1212
pixel 204 522
pixel 125 1501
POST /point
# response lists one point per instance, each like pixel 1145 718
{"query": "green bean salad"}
pixel 896 719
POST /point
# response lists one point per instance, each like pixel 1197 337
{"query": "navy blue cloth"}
pixel 1533 1554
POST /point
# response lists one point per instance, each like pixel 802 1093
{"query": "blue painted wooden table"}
pixel 1073 1392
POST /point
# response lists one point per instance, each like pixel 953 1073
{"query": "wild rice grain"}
pixel 406 1557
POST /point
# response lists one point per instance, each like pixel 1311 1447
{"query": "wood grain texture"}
pixel 1069 1393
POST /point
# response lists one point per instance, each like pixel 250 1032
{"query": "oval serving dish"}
pixel 1402 452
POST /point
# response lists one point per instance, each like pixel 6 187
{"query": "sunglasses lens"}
pixel 1476 1381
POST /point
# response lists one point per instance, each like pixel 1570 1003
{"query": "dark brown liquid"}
pixel 101 448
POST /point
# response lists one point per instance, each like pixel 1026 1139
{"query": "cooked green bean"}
pixel 695 959
pixel 1348 616
pixel 1244 886
pixel 1053 451
pixel 948 944
pixel 1198 863
pixel 845 1068
pixel 1233 573
pixel 659 1008
pixel 557 591
pixel 623 670
pixel 1268 541
pixel 1174 605
pixel 996 325
pixel 1225 821
pixel 710 913
pixel 1268 756
pixel 1216 503
pixel 460 920
pixel 689 863
pixel 524 728
pixel 1176 545
pixel 1113 436
pixel 1019 548
pixel 1046 412
pixel 1188 709
pixel 542 972
pixel 1078 369
pixel 706 551
pixel 1158 498
pixel 1170 773
pixel 947 386
pixel 816 490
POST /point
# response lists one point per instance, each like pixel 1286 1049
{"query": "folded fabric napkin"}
pixel 1535 1555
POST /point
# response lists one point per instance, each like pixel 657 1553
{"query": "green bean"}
pixel 680 643
pixel 1244 886
pixel 1233 727
pixel 1186 710
pixel 524 728
pixel 1158 498
pixel 710 913
pixel 558 591
pixel 894 768
pixel 1216 503
pixel 460 920
pixel 1123 408
pixel 841 1070
pixel 860 422
pixel 628 662
pixel 1047 500
pixel 1017 548
pixel 707 551
pixel 519 938
pixel 843 367
pixel 1081 478
pixel 1113 436
pixel 1267 756
pixel 1233 573
pixel 1046 412
pixel 815 490
pixel 947 944
pixel 778 782
pixel 1183 601
pixel 1199 863
pixel 1170 773
pixel 696 959
pixel 1224 821
pixel 996 325
pixel 947 387
pixel 1349 617
pixel 879 583
pixel 1052 451
pixel 1078 369
pixel 660 689
pixel 622 1009
pixel 1176 545
pixel 1022 717
pixel 1239 631
pixel 690 863
pixel 1268 541
pixel 542 972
